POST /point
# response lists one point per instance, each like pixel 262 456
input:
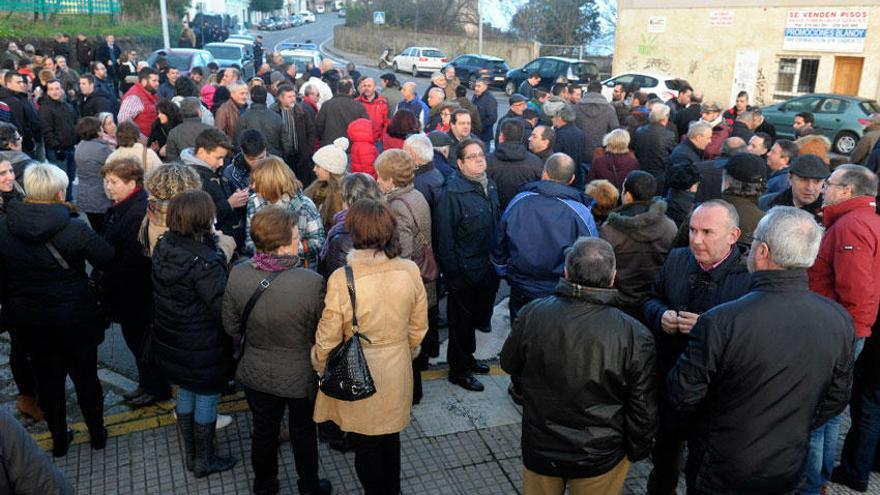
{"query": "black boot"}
pixel 60 442
pixel 185 425
pixel 98 438
pixel 205 460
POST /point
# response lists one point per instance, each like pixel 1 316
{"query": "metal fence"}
pixel 62 6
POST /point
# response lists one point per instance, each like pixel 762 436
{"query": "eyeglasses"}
pixel 474 156
pixel 828 183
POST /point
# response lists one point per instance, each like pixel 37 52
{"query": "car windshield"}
pixel 299 60
pixel 869 107
pixel 179 60
pixel 584 70
pixel 432 53
pixel 496 64
pixel 225 52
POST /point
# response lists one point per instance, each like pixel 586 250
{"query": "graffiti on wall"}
pixel 661 64
pixel 648 45
pixel 760 87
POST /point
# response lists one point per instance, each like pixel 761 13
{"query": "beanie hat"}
pixel 553 105
pixel 332 157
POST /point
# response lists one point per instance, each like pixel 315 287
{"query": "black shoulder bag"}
pixel 102 316
pixel 347 376
pixel 246 314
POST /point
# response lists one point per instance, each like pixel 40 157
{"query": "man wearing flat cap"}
pixel 806 178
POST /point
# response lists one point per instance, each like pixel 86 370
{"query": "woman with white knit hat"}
pixel 331 165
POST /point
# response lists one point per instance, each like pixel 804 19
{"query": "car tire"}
pixel 509 88
pixel 415 71
pixel 382 65
pixel 394 67
pixel 845 142
pixel 472 81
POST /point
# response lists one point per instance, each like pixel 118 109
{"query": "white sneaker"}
pixel 223 420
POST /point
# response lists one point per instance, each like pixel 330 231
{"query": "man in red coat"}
pixel 139 102
pixel 847 270
pixel 376 105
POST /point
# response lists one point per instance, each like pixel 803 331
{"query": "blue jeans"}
pixel 203 406
pixel 823 449
pixel 66 163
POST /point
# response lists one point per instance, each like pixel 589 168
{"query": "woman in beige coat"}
pixel 396 170
pixel 128 146
pixel 392 310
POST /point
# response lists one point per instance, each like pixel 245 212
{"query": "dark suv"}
pixel 470 67
pixel 551 68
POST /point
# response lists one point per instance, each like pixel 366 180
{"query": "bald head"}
pixel 326 65
pixel 559 167
pixel 408 90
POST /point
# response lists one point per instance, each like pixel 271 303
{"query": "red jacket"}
pixel 390 142
pixel 847 269
pixel 378 112
pixel 145 119
pixel 363 147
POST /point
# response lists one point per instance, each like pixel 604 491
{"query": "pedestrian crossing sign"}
pixel 378 17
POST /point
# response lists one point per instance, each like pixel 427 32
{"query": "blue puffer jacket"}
pixel 536 228
pixel 464 221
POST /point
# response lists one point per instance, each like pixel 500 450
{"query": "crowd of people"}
pixel 678 274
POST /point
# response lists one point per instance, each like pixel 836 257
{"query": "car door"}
pixel 783 116
pixel 408 59
pixel 549 71
pixel 463 67
pixel 829 115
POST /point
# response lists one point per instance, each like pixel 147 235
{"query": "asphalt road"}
pixel 321 33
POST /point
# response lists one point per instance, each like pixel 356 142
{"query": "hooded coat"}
pixel 363 147
pixel 595 117
pixel 511 165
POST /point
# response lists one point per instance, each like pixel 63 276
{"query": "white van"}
pixel 319 8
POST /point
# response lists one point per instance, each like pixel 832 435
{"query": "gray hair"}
pixel 560 167
pixel 862 180
pixel 698 128
pixel 420 148
pixel 359 186
pixel 792 235
pixel 190 107
pixel 746 117
pixel 438 91
pixel 236 86
pixel 566 113
pixel 736 187
pixel 733 146
pixel 732 214
pixel 590 262
pixel 658 113
pixel 43 181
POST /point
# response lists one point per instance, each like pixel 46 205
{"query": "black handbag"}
pixel 347 376
pixel 102 315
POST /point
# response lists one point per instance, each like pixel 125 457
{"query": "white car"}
pixel 308 16
pixel 663 85
pixel 319 8
pixel 300 54
pixel 418 59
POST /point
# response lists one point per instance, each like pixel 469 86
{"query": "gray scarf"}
pixel 482 179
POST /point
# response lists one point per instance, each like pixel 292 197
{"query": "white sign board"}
pixel 378 17
pixel 721 18
pixel 826 30
pixel 745 73
pixel 657 24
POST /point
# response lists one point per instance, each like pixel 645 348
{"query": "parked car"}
pixel 183 59
pixel 308 16
pixel 319 8
pixel 241 38
pixel 340 13
pixel 233 55
pixel 297 20
pixel 300 54
pixel 664 86
pixel 838 116
pixel 281 22
pixel 470 67
pixel 266 24
pixel 418 59
pixel 552 68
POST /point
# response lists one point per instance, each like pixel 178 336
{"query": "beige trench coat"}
pixel 392 312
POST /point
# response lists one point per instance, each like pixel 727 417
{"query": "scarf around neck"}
pixel 269 262
pixel 482 179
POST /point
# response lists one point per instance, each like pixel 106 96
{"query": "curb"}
pixel 160 415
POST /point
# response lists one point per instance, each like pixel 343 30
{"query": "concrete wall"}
pixel 705 54
pixel 371 42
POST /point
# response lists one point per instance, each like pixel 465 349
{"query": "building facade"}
pixel 774 49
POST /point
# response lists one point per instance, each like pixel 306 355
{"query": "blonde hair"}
pixel 43 181
pixel 273 179
pixel 616 141
pixel 397 165
pixel 605 194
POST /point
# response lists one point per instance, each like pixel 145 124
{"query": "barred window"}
pixel 796 76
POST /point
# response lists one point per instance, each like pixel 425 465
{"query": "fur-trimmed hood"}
pixel 641 220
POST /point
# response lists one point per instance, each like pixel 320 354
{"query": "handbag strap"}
pixel 55 254
pixel 246 314
pixel 349 281
pixel 420 234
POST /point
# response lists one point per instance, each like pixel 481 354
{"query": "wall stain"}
pixel 693 67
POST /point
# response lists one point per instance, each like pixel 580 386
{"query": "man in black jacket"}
pixel 487 106
pixel 338 112
pixel 693 280
pixel 92 101
pixel 588 380
pixel 259 117
pixel 184 135
pixel 511 165
pixel 745 362
pixel 464 221
pixel 654 142
pixel 572 141
pixel 24 117
pixel 58 127
pixel 298 134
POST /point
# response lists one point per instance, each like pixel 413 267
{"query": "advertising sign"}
pixel 826 30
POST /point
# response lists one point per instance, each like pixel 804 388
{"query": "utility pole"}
pixel 163 11
pixel 480 27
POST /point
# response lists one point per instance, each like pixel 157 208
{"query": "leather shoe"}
pixel 484 328
pixel 841 478
pixel 480 368
pixel 467 382
pixel 142 400
pixel 98 440
pixel 133 394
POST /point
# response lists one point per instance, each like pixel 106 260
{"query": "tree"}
pixel 266 5
pixel 558 22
